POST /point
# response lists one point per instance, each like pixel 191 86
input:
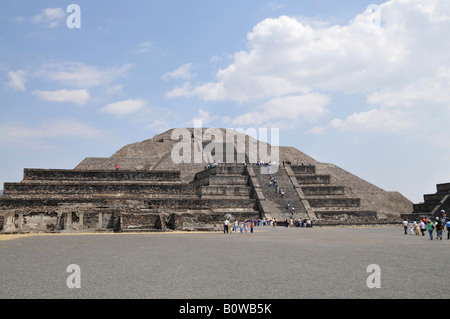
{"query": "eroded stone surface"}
pixel 149 192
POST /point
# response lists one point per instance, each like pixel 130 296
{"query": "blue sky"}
pixel 367 90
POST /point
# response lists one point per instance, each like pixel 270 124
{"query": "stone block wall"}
pixel 43 175
pixel 89 188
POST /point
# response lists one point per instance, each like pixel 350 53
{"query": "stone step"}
pixel 426 207
pixel 211 203
pixel 334 202
pixel 309 179
pixel 323 196
pixel 321 213
pixel 106 175
pixel 96 182
pixel 303 169
pixel 97 196
pixel 433 198
pixel 275 204
pixel 219 216
pixel 443 188
pixel 97 188
pixel 228 179
pixel 323 190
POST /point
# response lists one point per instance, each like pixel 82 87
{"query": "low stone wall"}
pixel 106 175
pixel 141 221
pixel 323 190
pixel 334 202
pixel 125 163
pixel 228 180
pixel 53 221
pixel 303 169
pixel 82 188
pixel 240 216
pixel 443 188
pixel 226 190
pixel 200 203
pixel 157 221
pixel 313 179
pixel 353 218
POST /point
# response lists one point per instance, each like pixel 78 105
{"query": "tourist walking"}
pixel 251 226
pixel 448 228
pixel 439 229
pixel 422 226
pixel 236 224
pixel 241 227
pixel 412 227
pixel 405 226
pixel 226 224
pixel 430 228
pixel 417 229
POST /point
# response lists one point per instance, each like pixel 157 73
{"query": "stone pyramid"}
pixel 145 187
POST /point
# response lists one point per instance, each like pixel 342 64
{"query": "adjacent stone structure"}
pixel 150 192
pixel 433 204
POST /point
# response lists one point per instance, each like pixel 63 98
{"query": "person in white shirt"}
pixel 405 226
pixel 226 224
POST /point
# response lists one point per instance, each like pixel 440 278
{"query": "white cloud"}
pixel 115 89
pixel 429 92
pixel 124 107
pixel 20 134
pixel 158 126
pixel 205 117
pixel 50 17
pixel 185 91
pixel 375 121
pixel 317 130
pixel 273 6
pixel 144 47
pixel 288 109
pixel 400 63
pixel 72 96
pixel 81 75
pixel 17 79
pixel 183 72
pixel 288 57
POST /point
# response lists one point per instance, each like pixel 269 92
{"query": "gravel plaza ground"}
pixel 280 263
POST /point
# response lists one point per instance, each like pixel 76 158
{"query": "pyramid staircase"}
pixel 275 205
pixel 330 203
pixel 227 183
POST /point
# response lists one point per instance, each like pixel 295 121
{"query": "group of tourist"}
pixel 243 226
pixel 273 183
pixel 258 163
pixel 438 226
pixel 306 223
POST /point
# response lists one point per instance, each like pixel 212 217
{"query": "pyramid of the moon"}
pixel 194 179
